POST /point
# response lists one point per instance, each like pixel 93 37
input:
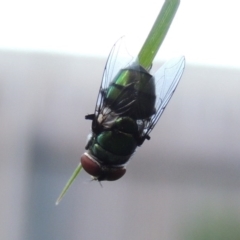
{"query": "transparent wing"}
pixel 118 58
pixel 166 79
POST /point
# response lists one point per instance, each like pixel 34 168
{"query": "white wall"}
pixel 187 172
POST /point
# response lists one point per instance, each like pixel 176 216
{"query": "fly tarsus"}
pixel 147 137
pixel 141 140
pixel 90 116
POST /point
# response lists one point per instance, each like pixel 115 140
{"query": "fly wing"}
pixel 118 58
pixel 166 80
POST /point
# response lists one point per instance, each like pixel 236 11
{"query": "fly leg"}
pixel 90 116
pixel 140 140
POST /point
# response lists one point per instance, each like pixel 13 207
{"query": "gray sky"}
pixel 205 31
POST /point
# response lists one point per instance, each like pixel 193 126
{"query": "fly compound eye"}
pixel 101 173
pixel 114 173
pixel 90 166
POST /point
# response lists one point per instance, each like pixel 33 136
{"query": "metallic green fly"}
pixel 129 104
pixel 128 107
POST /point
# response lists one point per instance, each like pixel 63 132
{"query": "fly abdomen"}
pixel 132 93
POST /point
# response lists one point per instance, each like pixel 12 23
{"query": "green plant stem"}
pixel 157 33
pixel 70 181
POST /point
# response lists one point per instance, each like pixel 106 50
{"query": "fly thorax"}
pixel 126 125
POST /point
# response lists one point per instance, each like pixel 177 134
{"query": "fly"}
pixel 129 104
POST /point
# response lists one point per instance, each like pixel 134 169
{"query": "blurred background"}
pixel 182 184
